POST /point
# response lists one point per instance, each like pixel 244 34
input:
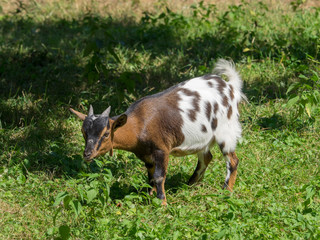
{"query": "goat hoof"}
pixel 153 190
pixel 164 203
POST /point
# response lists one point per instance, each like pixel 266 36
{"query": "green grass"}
pixel 49 62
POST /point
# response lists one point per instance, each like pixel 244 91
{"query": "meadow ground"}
pixel 56 54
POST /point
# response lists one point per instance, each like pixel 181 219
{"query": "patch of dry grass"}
pixel 133 9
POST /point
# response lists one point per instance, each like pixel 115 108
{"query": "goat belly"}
pixel 178 152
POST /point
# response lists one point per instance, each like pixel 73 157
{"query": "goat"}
pixel 187 118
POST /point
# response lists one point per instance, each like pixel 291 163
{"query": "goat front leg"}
pixel 159 176
pixel 232 164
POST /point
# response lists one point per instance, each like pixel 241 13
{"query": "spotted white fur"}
pixel 228 129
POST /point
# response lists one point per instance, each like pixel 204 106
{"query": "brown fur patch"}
pixel 208 110
pixel 221 84
pixel 195 103
pixel 234 161
pixel 210 84
pixel 225 101
pixel 216 108
pixel 229 112
pixel 222 145
pixel 231 92
pixel 203 128
pixel 149 127
pixel 187 92
pixel 192 115
pixel 214 123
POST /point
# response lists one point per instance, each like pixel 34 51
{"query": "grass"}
pixel 54 55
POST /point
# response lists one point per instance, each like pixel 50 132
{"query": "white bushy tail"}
pixel 224 67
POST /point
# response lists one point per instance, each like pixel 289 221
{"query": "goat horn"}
pixel 106 112
pixel 90 111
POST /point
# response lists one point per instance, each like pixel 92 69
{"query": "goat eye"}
pixel 106 134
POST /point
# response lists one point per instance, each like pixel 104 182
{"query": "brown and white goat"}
pixel 185 119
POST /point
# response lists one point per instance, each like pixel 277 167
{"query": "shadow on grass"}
pixel 46 59
pixel 276 121
pixel 131 174
pixel 42 148
pixel 173 184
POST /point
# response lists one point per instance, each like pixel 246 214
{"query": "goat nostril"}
pixel 86 154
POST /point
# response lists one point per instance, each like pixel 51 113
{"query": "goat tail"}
pixel 224 67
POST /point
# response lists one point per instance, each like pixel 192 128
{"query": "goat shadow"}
pixel 120 189
pixel 173 184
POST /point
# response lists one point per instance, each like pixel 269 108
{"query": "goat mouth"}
pixel 88 158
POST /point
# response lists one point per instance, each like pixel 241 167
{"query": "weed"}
pixel 307 95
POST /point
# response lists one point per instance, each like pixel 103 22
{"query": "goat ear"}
pixel 106 112
pixel 79 114
pixel 119 122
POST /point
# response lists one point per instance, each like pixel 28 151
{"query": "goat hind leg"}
pixel 204 158
pixel 232 162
